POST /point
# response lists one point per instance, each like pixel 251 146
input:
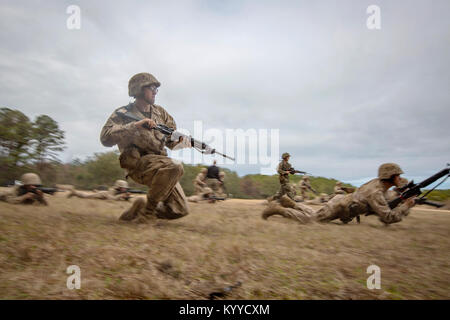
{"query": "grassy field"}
pixel 217 245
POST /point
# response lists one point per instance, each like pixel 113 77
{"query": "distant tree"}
pixel 103 169
pixel 48 139
pixel 250 188
pixel 16 133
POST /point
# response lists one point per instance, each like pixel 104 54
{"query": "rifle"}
pixel 293 171
pixel 430 203
pixel 37 196
pixel 412 190
pixel 127 191
pixel 51 191
pixel 213 198
pixel 48 190
pixel 198 145
pixel 136 191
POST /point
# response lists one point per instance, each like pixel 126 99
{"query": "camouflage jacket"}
pixel 13 195
pixel 134 142
pixel 283 166
pixel 372 197
pixel 113 194
pixel 303 184
pixel 200 179
pixel 339 190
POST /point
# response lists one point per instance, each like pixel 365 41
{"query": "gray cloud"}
pixel 345 98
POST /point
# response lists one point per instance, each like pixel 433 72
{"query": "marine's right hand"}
pixel 146 123
pixel 30 195
pixel 411 202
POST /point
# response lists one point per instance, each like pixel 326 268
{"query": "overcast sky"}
pixel 345 98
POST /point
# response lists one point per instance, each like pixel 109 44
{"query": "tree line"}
pixel 33 146
pixel 27 145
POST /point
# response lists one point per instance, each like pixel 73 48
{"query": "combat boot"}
pixel 147 213
pixel 132 213
pixel 273 210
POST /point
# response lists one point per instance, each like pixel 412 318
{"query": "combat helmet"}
pixel 387 170
pixel 204 171
pixel 31 179
pixel 305 177
pixel 222 174
pixel 121 184
pixel 339 183
pixel 284 155
pixel 140 80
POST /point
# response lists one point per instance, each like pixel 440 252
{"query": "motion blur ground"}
pixel 216 246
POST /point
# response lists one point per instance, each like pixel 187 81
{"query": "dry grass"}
pixel 215 246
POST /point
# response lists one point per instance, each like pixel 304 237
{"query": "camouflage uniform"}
pixel 371 197
pixel 221 190
pixel 200 182
pixel 285 187
pixel 214 184
pixel 304 185
pixel 20 195
pixel 112 194
pixel 288 208
pixel 207 192
pixel 144 157
pixel 15 195
pixel 323 198
pixel 338 189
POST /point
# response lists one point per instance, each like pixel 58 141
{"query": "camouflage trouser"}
pixel 303 193
pixel 285 189
pixel 297 212
pixel 161 174
pixel 198 188
pixel 80 194
pixel 214 184
pixel 325 214
pixel 330 211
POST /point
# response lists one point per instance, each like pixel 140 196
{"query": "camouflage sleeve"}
pixel 199 179
pixel 280 168
pixel 10 196
pixel 15 199
pixel 119 196
pixel 114 131
pixel 169 122
pixel 338 190
pixel 387 215
pixel 112 194
pixel 3 195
